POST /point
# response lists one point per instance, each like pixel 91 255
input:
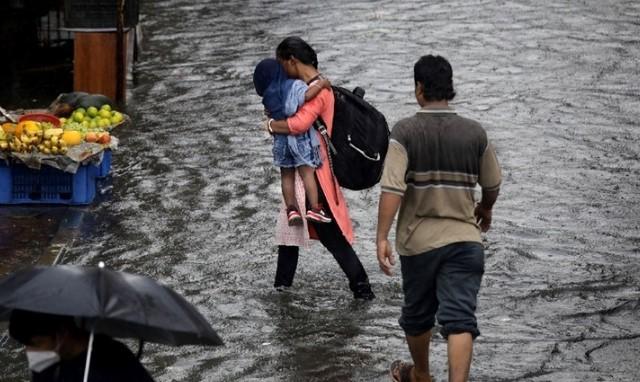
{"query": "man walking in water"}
pixel 434 162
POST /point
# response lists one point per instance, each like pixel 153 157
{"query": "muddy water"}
pixel 194 192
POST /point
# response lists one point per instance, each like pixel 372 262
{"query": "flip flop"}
pixel 400 371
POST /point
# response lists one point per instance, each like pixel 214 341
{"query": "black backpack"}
pixel 359 140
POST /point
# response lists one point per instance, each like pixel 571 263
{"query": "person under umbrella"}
pixel 57 351
pixel 66 313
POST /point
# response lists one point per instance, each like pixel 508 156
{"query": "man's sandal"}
pixel 400 371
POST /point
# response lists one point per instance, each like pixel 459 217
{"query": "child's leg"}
pixel 310 187
pixel 316 213
pixel 288 183
pixel 288 179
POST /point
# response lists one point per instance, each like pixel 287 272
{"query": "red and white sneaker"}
pixel 294 217
pixel 317 215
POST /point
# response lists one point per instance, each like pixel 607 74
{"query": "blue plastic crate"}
pixel 105 166
pixel 22 185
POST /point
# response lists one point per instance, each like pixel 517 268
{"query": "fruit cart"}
pixel 49 160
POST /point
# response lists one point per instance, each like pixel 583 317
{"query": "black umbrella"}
pixel 114 303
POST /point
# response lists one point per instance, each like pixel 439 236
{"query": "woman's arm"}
pixel 301 121
pixel 278 127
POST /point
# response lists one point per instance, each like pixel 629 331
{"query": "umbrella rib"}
pixel 101 285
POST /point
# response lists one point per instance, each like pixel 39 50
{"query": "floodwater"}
pixel 194 194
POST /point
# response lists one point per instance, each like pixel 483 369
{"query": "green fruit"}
pixel 116 118
pixel 78 116
pixel 104 113
pixel 106 107
pixel 92 111
pixel 81 110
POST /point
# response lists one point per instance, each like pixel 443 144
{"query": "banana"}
pixel 48 134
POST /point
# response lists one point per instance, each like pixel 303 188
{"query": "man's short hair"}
pixel 24 325
pixel 436 76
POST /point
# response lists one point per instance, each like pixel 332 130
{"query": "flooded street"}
pixel 193 196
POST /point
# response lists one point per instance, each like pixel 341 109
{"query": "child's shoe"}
pixel 317 215
pixel 294 217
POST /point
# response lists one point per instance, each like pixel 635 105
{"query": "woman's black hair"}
pixel 296 47
pixel 436 76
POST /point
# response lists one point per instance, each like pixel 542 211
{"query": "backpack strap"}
pixel 322 129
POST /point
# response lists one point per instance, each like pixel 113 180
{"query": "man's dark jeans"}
pixel 442 283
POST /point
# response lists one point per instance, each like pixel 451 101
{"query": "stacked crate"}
pixel 20 184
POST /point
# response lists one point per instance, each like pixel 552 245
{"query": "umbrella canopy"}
pixel 115 303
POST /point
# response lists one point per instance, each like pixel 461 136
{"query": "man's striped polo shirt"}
pixel 435 160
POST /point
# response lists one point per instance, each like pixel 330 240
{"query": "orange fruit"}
pixel 72 137
pixel 9 128
pixel 20 128
pixel 27 126
pixel 31 127
pixel 91 137
pixel 104 138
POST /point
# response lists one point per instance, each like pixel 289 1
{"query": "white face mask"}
pixel 40 360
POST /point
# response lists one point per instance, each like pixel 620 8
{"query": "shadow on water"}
pixel 312 335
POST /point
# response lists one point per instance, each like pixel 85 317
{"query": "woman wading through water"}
pixel 300 61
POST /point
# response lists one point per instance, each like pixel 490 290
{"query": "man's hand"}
pixel 483 217
pixel 385 257
pixel 389 204
pixel 483 209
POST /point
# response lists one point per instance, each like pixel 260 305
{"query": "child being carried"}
pixel 281 97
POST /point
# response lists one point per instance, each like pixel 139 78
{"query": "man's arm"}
pixel 490 178
pixel 387 209
pixel 393 186
pixel 483 209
